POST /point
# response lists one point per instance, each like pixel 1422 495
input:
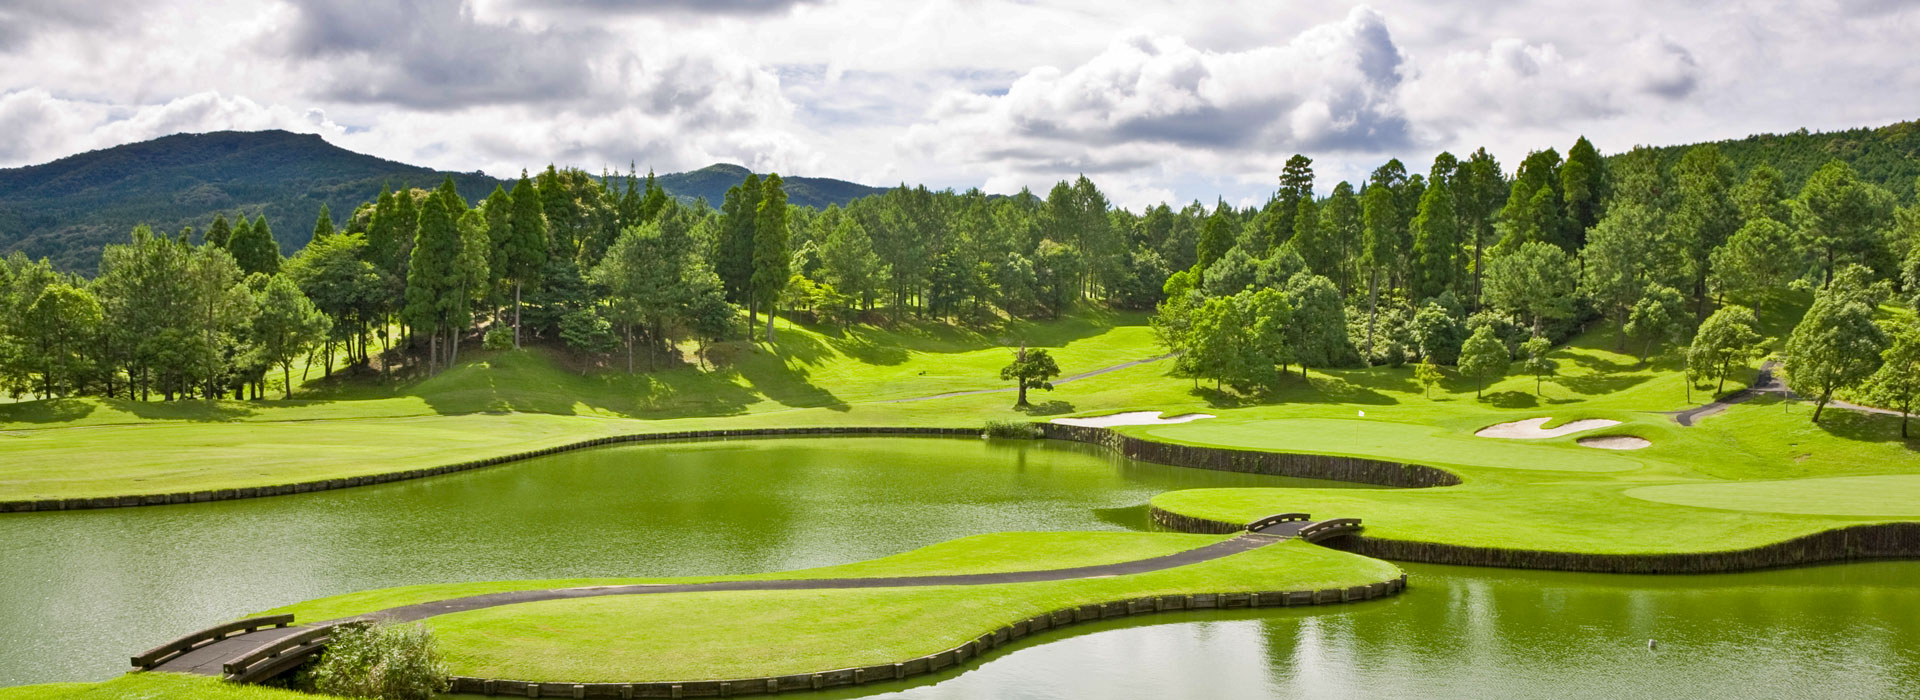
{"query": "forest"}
pixel 1466 265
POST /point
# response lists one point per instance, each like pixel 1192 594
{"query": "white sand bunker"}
pixel 1615 442
pixel 1130 418
pixel 1530 429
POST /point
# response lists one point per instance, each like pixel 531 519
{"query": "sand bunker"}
pixel 1131 418
pixel 1615 442
pixel 1529 429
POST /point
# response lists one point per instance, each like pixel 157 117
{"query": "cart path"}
pixel 1767 382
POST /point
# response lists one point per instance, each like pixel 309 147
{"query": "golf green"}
pixel 1883 496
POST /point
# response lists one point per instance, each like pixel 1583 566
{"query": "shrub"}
pixel 1016 429
pixel 391 662
pixel 499 337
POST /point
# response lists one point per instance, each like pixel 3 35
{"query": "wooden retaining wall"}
pixel 930 663
pixel 1877 541
pixel 1308 466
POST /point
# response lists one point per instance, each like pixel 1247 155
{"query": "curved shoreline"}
pixel 1852 543
pixel 937 661
pixel 1873 541
pixel 209 495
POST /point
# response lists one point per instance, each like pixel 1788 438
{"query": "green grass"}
pixel 1891 495
pixel 150 686
pixel 757 633
pixel 978 554
pixel 1535 494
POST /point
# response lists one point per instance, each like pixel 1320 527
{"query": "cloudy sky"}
pixel 1154 100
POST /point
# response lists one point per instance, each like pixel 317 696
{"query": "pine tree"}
pixel 772 260
pixel 323 224
pixel 254 249
pixel 1583 187
pixel 1436 243
pixel 220 232
pixel 525 252
pixel 733 259
pixel 434 285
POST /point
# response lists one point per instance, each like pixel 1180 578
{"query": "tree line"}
pixel 1436 268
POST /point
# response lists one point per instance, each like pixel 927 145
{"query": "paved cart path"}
pixel 1768 382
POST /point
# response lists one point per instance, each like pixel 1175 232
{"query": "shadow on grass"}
pixel 46 411
pixel 194 410
pixel 1859 426
pixel 1511 399
pixel 1046 408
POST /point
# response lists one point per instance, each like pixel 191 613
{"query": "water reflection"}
pixel 85 589
pixel 1845 631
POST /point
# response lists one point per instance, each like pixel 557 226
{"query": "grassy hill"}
pixel 711 183
pixel 1888 156
pixel 66 210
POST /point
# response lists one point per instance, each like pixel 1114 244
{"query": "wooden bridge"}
pixel 1303 526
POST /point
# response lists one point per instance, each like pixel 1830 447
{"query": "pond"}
pixel 85 589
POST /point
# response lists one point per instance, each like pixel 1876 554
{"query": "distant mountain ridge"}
pixel 67 209
pixel 711 183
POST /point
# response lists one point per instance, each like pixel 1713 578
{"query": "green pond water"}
pixel 81 591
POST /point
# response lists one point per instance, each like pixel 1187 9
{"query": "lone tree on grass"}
pixel 1725 343
pixel 1033 370
pixel 1483 356
pixel 1836 346
pixel 1428 374
pixel 1538 363
pixel 1897 384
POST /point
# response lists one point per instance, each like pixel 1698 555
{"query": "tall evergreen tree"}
pixel 772 257
pixel 1477 188
pixel 220 232
pixel 1583 187
pixel 733 259
pixel 434 285
pixel 1706 215
pixel 525 252
pixel 1216 236
pixel 1436 243
pixel 322 224
pixel 254 248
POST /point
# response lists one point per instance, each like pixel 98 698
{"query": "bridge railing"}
pixel 1329 528
pixel 1273 520
pixel 277 657
pixel 165 652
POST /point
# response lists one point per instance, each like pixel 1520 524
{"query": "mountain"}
pixel 1888 156
pixel 711 183
pixel 66 210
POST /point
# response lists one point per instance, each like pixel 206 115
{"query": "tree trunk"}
pixel 1023 395
pixel 286 375
pixel 516 315
pixel 771 312
pixel 1821 405
pixel 1373 310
